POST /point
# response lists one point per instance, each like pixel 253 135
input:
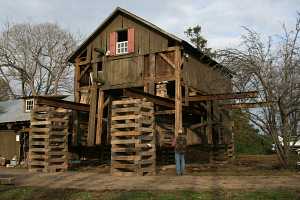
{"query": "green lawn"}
pixel 28 193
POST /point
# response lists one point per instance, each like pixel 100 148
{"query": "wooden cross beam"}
pixel 165 58
pixel 58 103
pixel 247 105
pixel 236 95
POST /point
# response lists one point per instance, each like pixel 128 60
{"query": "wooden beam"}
pixel 84 70
pixel 209 128
pixel 151 86
pixel 237 95
pixel 186 95
pixel 58 103
pixel 92 116
pixel 155 99
pixel 76 80
pixel 247 105
pixel 165 112
pixel 106 102
pixel 178 93
pixel 165 58
pixel 100 117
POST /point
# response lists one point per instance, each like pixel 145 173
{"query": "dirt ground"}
pixel 247 172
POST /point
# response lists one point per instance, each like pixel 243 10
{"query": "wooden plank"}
pixel 125 125
pixel 165 58
pixel 100 117
pixel 42 130
pixel 178 93
pixel 92 117
pixel 236 95
pixel 124 117
pixel 165 112
pixel 209 128
pixel 155 99
pixel 84 71
pixel 247 105
pixel 122 141
pixel 128 158
pixel 126 133
pixel 58 103
pixel 151 84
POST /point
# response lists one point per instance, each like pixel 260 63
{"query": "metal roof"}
pixel 13 111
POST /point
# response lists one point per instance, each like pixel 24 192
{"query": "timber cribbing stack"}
pixel 48 139
pixel 133 142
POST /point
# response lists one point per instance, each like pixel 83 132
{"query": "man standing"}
pixel 180 147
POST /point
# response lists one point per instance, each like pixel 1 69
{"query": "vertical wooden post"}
pixel 92 116
pixel 152 74
pixel 100 117
pixel 209 122
pixel 178 93
pixel 77 99
pixel 109 109
pixel 186 94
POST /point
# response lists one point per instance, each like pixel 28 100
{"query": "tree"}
pixel 33 59
pixel 271 67
pixel 247 138
pixel 194 34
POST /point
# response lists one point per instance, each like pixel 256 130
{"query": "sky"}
pixel 221 20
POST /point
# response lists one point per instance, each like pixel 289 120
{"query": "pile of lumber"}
pixel 133 143
pixel 48 147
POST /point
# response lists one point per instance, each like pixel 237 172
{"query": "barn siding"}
pixel 9 147
pixel 204 78
pixel 124 69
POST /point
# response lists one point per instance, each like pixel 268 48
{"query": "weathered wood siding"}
pixel 204 78
pixel 128 69
pixel 9 147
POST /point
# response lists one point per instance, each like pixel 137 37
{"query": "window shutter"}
pixel 130 40
pixel 112 43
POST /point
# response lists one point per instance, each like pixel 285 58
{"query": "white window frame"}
pixel 29 104
pixel 122 47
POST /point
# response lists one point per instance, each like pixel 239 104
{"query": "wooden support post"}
pixel 178 94
pixel 186 95
pixel 209 128
pixel 100 117
pixel 151 87
pixel 77 99
pixel 92 116
pixel 108 131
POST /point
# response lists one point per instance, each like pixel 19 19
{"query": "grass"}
pixel 29 193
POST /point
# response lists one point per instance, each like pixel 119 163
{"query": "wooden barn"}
pixel 144 86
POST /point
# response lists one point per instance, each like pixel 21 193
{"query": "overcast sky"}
pixel 221 20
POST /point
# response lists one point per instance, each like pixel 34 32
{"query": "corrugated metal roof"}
pixel 13 111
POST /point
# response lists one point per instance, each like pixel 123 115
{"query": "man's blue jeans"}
pixel 180 163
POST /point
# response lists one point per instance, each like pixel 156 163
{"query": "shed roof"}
pixel 13 111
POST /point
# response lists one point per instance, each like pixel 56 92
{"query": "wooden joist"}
pixel 155 99
pixel 58 103
pixel 247 105
pixel 237 95
pixel 92 117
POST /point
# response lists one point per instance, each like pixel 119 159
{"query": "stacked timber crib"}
pixel 133 149
pixel 48 146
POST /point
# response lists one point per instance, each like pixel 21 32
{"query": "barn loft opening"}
pixel 122 42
